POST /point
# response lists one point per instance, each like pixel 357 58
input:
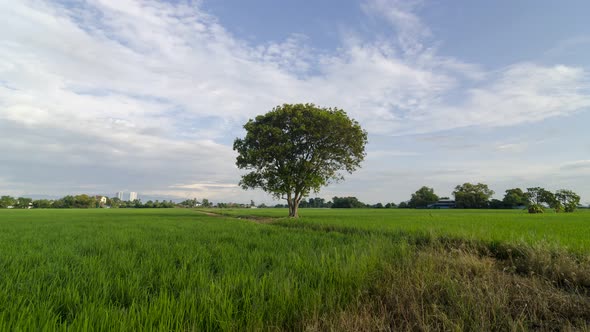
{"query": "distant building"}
pixel 120 195
pixel 132 196
pixel 443 204
pixel 102 200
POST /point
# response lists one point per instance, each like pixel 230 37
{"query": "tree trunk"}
pixel 293 207
pixel 294 211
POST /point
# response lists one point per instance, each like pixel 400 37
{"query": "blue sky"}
pixel 109 95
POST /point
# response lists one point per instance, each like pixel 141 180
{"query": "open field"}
pixel 179 269
pixel 557 230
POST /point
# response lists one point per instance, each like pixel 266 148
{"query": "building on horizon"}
pixel 120 195
pixel 132 196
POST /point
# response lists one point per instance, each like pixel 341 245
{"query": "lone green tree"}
pixel 423 197
pixel 298 148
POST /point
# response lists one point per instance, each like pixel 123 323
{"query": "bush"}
pixel 536 208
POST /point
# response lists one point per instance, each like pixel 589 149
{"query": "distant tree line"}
pixel 79 202
pixel 466 196
pixel 339 203
pixel 478 196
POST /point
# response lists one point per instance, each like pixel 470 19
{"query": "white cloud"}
pixel 204 186
pixel 578 165
pixel 400 14
pixel 133 92
pixel 511 147
pixel 522 93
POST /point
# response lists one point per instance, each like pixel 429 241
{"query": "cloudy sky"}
pixel 101 96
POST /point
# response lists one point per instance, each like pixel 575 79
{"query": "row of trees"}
pixel 193 202
pixel 478 196
pixel 19 203
pixel 467 196
pixel 79 202
pixel 338 203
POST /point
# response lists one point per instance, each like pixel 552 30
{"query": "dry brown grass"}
pixel 443 288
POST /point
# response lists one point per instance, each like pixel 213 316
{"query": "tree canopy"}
pixel 538 196
pixel 515 197
pixel 567 199
pixel 298 148
pixel 347 202
pixel 472 196
pixel 423 197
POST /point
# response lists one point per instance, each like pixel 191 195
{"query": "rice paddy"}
pixel 373 269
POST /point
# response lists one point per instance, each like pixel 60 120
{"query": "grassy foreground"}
pixel 176 269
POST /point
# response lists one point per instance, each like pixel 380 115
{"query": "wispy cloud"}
pixel 132 90
pixel 577 165
pixel 204 186
pixel 400 14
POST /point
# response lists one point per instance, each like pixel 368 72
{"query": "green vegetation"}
pixel 366 269
pixel 295 149
pixel 472 196
pixel 422 198
pixel 84 201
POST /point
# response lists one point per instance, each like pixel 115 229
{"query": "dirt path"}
pixel 256 219
pixel 210 213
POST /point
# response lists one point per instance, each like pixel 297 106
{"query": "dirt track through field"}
pixel 256 219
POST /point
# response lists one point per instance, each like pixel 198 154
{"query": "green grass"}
pixel 569 231
pixel 178 269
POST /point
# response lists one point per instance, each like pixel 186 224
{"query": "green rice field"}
pixel 253 269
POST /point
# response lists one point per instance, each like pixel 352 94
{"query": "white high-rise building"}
pixel 120 195
pixel 132 196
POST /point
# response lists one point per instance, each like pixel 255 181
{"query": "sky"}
pixel 104 96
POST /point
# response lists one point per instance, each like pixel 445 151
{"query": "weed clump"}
pixel 444 288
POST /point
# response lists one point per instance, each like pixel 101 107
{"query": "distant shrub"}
pixel 536 208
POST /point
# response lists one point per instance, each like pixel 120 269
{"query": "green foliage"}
pixel 115 202
pixel 42 204
pixel 538 196
pixel 84 201
pixel 472 196
pixel 536 208
pixel 497 204
pixel 189 203
pixel 6 201
pixel 515 197
pixel 295 149
pixel 318 203
pixel 78 202
pixel 347 202
pixel 423 197
pixel 567 199
pixel 24 203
